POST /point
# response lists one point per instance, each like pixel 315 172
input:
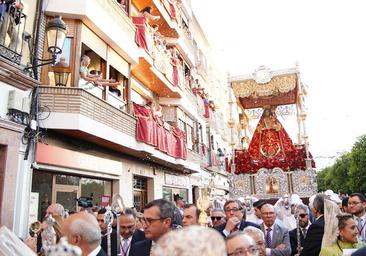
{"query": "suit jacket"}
pixel 141 248
pixel 114 247
pixel 280 235
pixel 360 252
pixel 101 253
pixel 137 236
pixel 313 240
pixel 243 225
pixel 293 241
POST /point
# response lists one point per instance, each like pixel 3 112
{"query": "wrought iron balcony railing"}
pixel 12 25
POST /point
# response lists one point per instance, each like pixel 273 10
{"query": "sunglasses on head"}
pixel 302 215
pixel 213 218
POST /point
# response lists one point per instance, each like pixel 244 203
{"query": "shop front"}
pixel 175 184
pixel 64 176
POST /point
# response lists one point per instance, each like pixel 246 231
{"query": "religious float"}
pixel 266 162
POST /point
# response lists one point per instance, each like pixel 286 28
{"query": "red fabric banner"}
pixel 151 130
pixel 140 32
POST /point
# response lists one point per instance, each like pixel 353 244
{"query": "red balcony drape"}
pixel 151 130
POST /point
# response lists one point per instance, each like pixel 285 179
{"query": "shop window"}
pixel 67 180
pixel 168 193
pixel 42 186
pixel 64 189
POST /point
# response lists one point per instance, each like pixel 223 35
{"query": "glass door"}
pixel 66 189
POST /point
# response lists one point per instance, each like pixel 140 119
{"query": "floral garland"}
pixel 293 160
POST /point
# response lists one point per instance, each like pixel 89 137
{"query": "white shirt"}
pixel 95 251
pixel 129 245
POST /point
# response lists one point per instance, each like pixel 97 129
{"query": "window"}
pixel 189 137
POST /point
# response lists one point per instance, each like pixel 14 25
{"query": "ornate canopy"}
pixel 266 87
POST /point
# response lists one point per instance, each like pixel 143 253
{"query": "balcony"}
pixel 12 28
pixel 78 113
pixel 155 69
pixel 104 17
pixel 167 23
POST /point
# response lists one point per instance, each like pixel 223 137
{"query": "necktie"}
pixel 268 238
pixel 303 232
pixel 360 227
pixel 125 246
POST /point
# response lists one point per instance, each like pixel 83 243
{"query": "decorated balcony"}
pixel 166 10
pixel 152 130
pixel 156 69
pixel 12 27
pixel 78 113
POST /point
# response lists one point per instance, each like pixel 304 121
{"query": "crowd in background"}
pixel 323 227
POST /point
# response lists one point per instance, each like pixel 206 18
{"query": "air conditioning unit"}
pixel 26 105
pixel 15 100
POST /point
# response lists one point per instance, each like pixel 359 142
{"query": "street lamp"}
pixel 56 33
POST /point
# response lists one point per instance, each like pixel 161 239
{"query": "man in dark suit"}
pixel 104 232
pixel 235 219
pixel 302 211
pixel 158 216
pixel 82 229
pixel 277 237
pixel 314 236
pixel 128 231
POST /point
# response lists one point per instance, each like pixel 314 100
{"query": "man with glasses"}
pixel 357 206
pixel 217 217
pixel 258 238
pixel 234 212
pixel 302 211
pixel 158 216
pixel 239 244
pixel 277 237
pixel 128 231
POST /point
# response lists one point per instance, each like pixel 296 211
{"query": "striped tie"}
pixel 268 238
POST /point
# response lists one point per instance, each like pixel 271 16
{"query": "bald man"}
pixel 82 229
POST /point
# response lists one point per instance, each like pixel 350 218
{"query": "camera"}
pixel 85 202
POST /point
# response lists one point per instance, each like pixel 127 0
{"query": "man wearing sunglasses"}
pixel 158 219
pixel 235 218
pixel 302 211
pixel 217 217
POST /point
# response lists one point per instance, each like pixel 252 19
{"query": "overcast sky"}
pixel 327 39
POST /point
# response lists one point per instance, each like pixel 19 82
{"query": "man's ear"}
pixel 77 239
pixel 168 222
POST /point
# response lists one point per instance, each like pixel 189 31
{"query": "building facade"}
pixel 154 127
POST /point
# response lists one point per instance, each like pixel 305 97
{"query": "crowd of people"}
pixel 164 228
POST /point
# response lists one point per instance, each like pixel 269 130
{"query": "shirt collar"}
pixel 95 251
pixel 319 216
pixel 271 227
pixel 128 239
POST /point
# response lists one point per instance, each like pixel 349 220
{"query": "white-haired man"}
pixel 276 236
pixel 82 229
pixel 258 237
pixel 239 244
